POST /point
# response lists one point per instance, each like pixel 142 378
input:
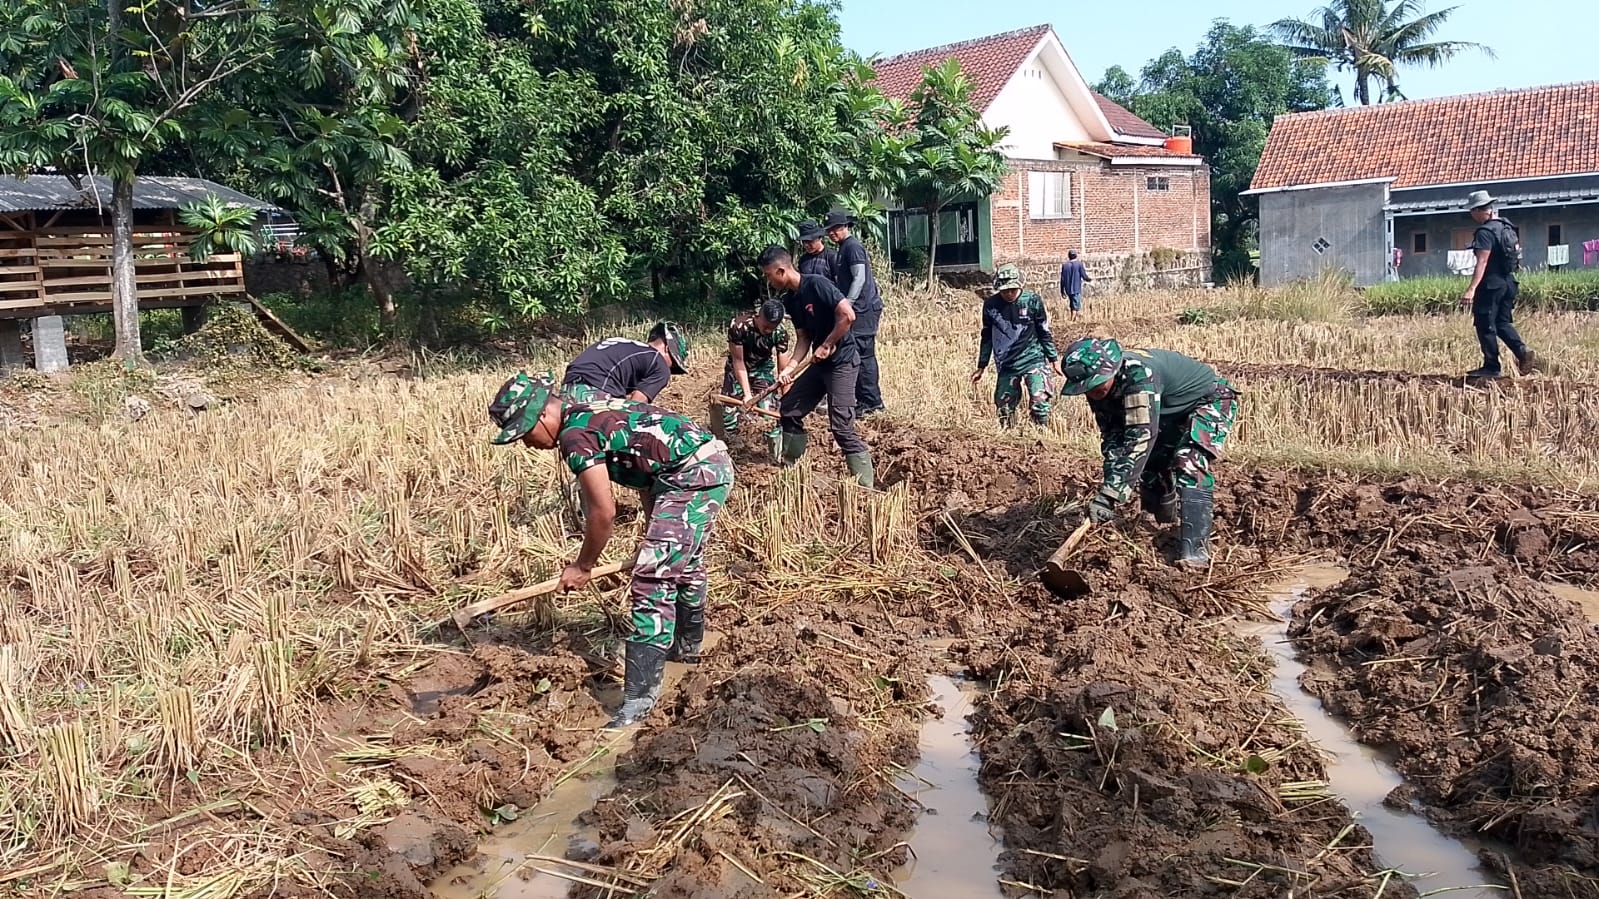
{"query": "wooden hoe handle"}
pixel 465 614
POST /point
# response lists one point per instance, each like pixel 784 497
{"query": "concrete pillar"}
pixel 193 318
pixel 11 345
pixel 50 343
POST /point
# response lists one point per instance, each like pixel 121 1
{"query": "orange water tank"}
pixel 1180 143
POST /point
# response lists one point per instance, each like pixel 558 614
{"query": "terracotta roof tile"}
pixel 1122 151
pixel 989 62
pixel 1502 135
pixel 1123 120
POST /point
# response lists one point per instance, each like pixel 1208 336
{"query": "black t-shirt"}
pixel 850 254
pixel 1487 238
pixel 814 309
pixel 618 366
pixel 824 263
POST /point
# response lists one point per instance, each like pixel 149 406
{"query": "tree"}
pixel 1373 40
pixel 953 155
pixel 110 87
pixel 1229 91
pixel 97 87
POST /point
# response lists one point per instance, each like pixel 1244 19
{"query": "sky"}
pixel 1537 41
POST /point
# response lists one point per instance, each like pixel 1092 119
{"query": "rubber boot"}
pixel 860 465
pixel 690 634
pixel 1529 363
pixel 775 443
pixel 793 446
pixel 642 684
pixel 1159 502
pixel 1197 505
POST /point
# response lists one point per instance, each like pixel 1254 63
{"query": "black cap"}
pixel 838 218
pixel 810 231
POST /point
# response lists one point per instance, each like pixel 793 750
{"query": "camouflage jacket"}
pixel 1153 389
pixel 1016 335
pixel 759 349
pixel 636 442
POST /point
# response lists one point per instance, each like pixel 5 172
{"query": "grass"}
pixel 1545 291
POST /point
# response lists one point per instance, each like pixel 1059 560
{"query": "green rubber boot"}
pixel 793 447
pixel 860 465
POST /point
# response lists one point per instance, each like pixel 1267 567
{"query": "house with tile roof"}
pixel 1379 191
pixel 1085 173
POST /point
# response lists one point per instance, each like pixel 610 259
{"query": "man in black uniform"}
pixel 817 258
pixel 1493 289
pixel 620 368
pixel 822 318
pixel 855 280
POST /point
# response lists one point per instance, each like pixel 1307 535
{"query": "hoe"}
pixel 1067 583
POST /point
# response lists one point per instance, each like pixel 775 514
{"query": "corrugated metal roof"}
pixel 51 192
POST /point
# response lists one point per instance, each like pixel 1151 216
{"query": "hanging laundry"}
pixel 1590 252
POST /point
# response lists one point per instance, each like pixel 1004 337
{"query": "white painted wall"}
pixel 1033 104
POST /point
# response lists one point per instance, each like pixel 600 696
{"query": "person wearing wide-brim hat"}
pixel 684 474
pixel 1163 420
pixel 815 258
pixel 1493 289
pixel 1016 335
pixel 858 285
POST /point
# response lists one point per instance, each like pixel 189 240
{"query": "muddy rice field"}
pixel 1131 743
pixel 1384 687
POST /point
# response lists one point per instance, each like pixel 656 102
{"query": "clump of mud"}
pixel 1482 682
pixel 777 761
pixel 1145 756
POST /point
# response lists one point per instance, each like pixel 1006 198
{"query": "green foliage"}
pixel 233 338
pixel 1544 291
pixel 1197 315
pixel 954 155
pixel 1228 90
pixel 219 227
pixel 1373 40
pixel 343 318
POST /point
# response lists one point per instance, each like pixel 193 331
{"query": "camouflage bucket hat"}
pixel 676 344
pixel 518 404
pixel 1007 277
pixel 1089 363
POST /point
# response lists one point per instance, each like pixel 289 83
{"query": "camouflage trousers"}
pixel 1008 393
pixel 761 377
pixel 1186 445
pixel 670 571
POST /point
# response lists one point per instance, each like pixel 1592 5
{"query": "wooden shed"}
pixel 55 246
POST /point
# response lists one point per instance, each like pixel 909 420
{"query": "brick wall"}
pixel 1127 235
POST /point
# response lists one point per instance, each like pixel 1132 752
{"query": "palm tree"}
pixel 1373 40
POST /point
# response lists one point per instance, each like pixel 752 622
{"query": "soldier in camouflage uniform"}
pixel 1163 419
pixel 684 475
pixel 757 347
pixel 1016 333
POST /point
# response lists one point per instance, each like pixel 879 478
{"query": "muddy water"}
pixel 1587 599
pixel 522 859
pixel 955 854
pixel 1359 775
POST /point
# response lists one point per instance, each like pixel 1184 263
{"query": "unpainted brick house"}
pixel 1085 173
pixel 1380 191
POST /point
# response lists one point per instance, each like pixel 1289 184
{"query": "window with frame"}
pixel 1049 195
pixel 1556 236
pixel 1418 242
pixel 1157 182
